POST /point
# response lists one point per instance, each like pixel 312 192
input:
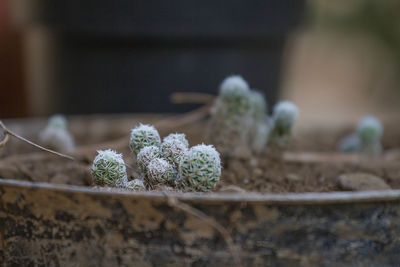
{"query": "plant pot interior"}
pixel 262 173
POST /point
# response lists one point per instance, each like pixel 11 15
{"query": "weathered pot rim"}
pixel 215 198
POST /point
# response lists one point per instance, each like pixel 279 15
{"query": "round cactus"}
pixel 233 83
pixel 172 150
pixel 142 136
pixel 159 171
pixel 284 116
pixel 177 136
pixel 58 121
pixel 56 135
pixel 109 169
pixel 145 156
pixel 370 131
pixel 136 184
pixel 200 168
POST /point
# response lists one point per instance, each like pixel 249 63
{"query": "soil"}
pixel 263 173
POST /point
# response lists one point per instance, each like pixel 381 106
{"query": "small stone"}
pixel 245 181
pixel 292 177
pixel 362 182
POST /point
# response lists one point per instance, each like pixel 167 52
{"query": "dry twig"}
pixel 8 132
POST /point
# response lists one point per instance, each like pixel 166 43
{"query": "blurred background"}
pixel 338 60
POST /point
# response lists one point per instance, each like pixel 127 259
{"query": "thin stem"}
pixel 9 132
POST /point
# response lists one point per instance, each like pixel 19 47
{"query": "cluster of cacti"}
pixel 56 135
pixel 108 169
pixel 172 162
pixel 240 119
pixel 367 140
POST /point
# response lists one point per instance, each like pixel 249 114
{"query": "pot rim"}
pixel 311 198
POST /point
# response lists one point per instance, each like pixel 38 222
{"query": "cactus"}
pixel 173 147
pixel 370 131
pixel 135 184
pixel 260 129
pixel 283 118
pixel 232 116
pixel 145 156
pixel 109 169
pixel 142 136
pixel 259 105
pixel 56 135
pixel 350 144
pixel 200 168
pixel 58 121
pixel 159 171
pixel 260 136
pixel 177 136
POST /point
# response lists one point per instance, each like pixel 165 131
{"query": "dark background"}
pixel 129 56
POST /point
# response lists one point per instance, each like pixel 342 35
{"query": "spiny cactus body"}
pixel 142 136
pixel 177 136
pixel 370 131
pixel 232 116
pixel 56 135
pixel 284 116
pixel 146 155
pixel 172 149
pixel 109 169
pixel 159 171
pixel 135 184
pixel 200 168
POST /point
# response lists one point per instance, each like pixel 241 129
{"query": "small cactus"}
pixel 58 121
pixel 283 118
pixel 200 168
pixel 260 136
pixel 232 116
pixel 172 149
pixel 177 136
pixel 109 169
pixel 56 135
pixel 350 144
pixel 260 129
pixel 145 156
pixel 259 105
pixel 370 131
pixel 135 184
pixel 159 171
pixel 142 136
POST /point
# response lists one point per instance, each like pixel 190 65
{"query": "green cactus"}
pixel 109 169
pixel 283 118
pixel 177 136
pixel 142 136
pixel 135 184
pixel 200 168
pixel 370 131
pixel 145 156
pixel 56 135
pixel 159 171
pixel 173 147
pixel 232 116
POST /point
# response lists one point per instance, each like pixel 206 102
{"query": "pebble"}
pixel 362 182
